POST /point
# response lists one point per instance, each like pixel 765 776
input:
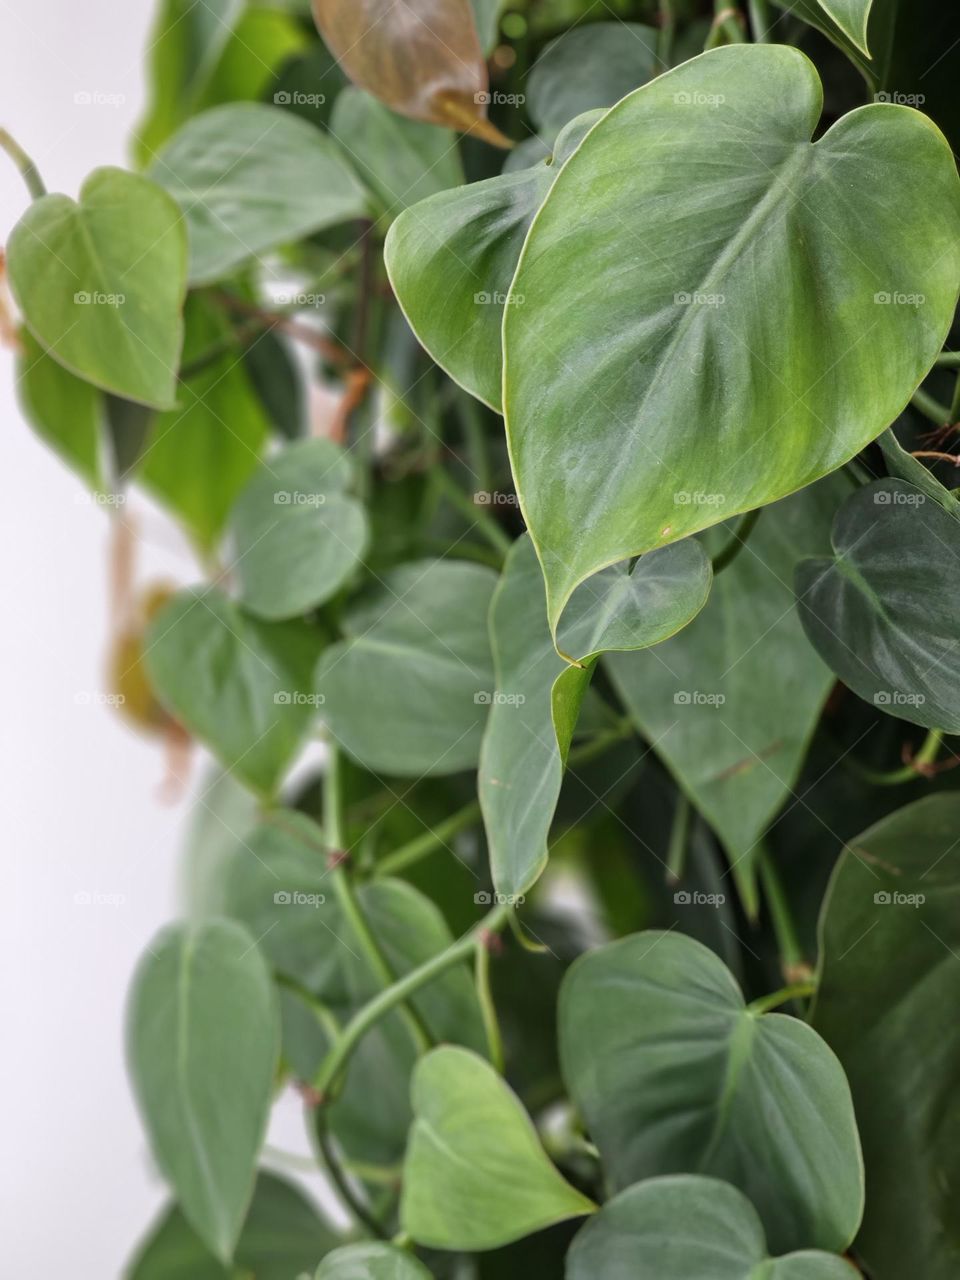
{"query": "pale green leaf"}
pixel 371 1262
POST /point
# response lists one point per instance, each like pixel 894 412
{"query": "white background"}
pixel 81 809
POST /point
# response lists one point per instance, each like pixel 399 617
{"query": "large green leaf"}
pixel 673 1073
pixel 199 456
pixel 400 160
pixel 687 1228
pixel 282 1237
pixel 475 1175
pixel 249 177
pixel 889 983
pixel 297 535
pixel 243 686
pixel 884 612
pixel 203 1042
pixel 371 1262
pixel 407 692
pixel 638 367
pixel 537 698
pixel 593 65
pixel 730 703
pixel 101 282
pixel 65 411
pixel 452 257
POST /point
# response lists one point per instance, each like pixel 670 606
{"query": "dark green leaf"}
pixel 673 1073
pixel 890 977
pixel 590 66
pixel 203 1042
pixel 884 611
pixel 64 410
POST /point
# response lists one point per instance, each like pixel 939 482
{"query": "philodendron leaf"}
pixel 884 612
pixel 199 456
pixel 852 17
pixel 371 1262
pixel 401 160
pixel 890 938
pixel 101 283
pixel 250 176
pixel 203 1043
pixel 730 702
pixel 638 364
pixel 244 687
pixel 297 535
pixel 452 257
pixel 687 1228
pixel 421 58
pixel 282 1237
pixel 904 466
pixel 476 1176
pixel 537 698
pixel 589 66
pixel 673 1073
pixel 407 692
pixel 65 411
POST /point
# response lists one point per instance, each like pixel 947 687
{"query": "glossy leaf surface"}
pixel 203 1044
pixel 883 612
pixel 101 282
pixel 613 368
pixel 673 1073
pixel 475 1175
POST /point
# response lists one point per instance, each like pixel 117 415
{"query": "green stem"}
pixel 668 27
pixel 473 429
pixel 795 991
pixel 726 27
pixel 760 24
pixel 476 514
pixel 602 742
pixel 351 1201
pixel 491 1024
pixel 792 960
pixel 679 832
pixel 347 900
pixel 930 407
pixel 738 540
pixel 382 1004
pixel 28 170
pixel 949 359
pixel 927 755
pixel 955 402
pixel 433 839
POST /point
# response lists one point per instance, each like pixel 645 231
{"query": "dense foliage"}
pixel 615 933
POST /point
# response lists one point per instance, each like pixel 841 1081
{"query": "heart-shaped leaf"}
pixel 884 612
pixel 199 456
pixel 537 698
pixel 65 411
pixel 421 58
pixel 282 1236
pixel 400 160
pixel 476 1176
pixel 589 66
pixel 203 1042
pixel 297 535
pixel 101 283
pixel 673 1073
pixel 852 17
pixel 407 693
pixel 250 176
pixel 244 687
pixel 452 257
pixel 371 1262
pixel 890 975
pixel 638 365
pixel 730 703
pixel 687 1228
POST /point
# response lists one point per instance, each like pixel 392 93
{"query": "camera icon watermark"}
pixel 298 698
pixel 294 898
pixel 698 698
pixel 888 898
pixel 483 898
pixel 498 698
pixel 694 898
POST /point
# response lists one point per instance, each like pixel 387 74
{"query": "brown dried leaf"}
pixel 420 57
